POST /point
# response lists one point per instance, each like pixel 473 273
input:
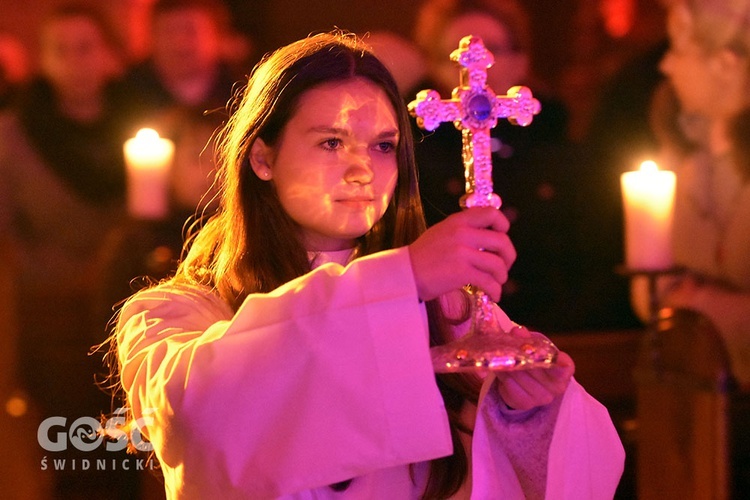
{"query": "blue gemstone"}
pixel 480 107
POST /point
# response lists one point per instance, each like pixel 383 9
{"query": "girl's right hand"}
pixel 471 246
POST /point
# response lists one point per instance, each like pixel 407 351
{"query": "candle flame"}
pixel 147 134
pixel 648 198
pixel 148 158
pixel 649 166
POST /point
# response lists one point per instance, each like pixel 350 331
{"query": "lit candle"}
pixel 648 200
pixel 149 159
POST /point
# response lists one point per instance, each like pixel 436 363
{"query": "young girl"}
pixel 289 356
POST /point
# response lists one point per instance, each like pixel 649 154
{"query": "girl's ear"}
pixel 260 159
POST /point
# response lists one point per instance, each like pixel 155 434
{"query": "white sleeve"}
pixel 586 456
pixel 573 441
pixel 324 379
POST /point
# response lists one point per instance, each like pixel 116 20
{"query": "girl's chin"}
pixel 333 242
pixel 340 231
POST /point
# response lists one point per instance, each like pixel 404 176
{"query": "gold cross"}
pixel 474 109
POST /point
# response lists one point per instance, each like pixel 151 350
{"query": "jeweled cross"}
pixel 474 109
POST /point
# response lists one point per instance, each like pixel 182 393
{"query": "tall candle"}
pixel 648 200
pixel 148 158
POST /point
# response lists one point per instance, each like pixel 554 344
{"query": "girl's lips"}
pixel 357 202
pixel 356 199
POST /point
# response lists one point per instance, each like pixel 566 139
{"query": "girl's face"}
pixel 334 167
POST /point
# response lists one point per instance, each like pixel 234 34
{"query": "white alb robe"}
pixel 325 379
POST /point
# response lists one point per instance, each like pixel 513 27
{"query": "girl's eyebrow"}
pixel 322 129
pixel 386 134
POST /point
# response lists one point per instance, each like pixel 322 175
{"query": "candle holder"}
pixel 652 276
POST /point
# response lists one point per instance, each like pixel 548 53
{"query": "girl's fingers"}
pixel 527 389
pixel 486 217
pixel 467 247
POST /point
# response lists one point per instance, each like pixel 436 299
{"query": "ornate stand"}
pixel 474 109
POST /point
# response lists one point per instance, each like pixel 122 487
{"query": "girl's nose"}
pixel 359 170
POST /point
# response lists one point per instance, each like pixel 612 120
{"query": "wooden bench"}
pixel 693 423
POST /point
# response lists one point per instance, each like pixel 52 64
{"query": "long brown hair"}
pixel 251 245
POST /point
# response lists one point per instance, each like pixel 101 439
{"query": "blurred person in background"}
pixel 61 189
pixel 181 90
pixel 186 62
pixel 183 86
pixel 703 121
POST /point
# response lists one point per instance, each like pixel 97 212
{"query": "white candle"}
pixel 148 158
pixel 648 200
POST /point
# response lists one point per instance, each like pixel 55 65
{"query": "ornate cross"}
pixel 474 109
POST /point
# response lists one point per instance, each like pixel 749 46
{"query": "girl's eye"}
pixel 386 147
pixel 332 143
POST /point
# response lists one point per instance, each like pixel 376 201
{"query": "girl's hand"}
pixel 527 389
pixel 471 246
